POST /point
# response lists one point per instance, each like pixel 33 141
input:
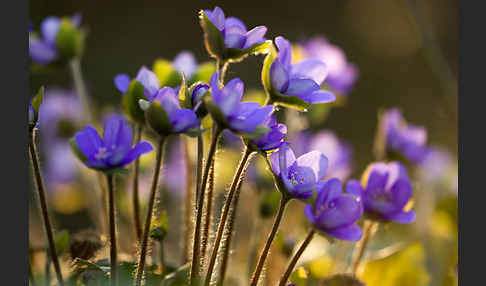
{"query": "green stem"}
pixel 224 214
pixel 195 263
pixel 207 217
pixel 162 256
pixel 227 242
pixel 80 87
pixel 135 197
pixel 369 229
pixel 150 211
pixel 112 219
pixel 43 206
pixel 261 261
pixel 296 257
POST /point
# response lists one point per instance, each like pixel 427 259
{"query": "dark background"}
pixel 406 52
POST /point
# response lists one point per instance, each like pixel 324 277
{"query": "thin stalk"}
pixel 43 206
pixel 200 158
pixel 195 264
pixel 261 261
pixel 224 214
pixel 188 201
pixel 226 248
pixel 150 210
pixel 113 248
pixel 47 270
pixel 162 256
pixel 75 66
pixel 207 218
pixel 31 275
pixel 135 197
pixel 221 67
pixel 369 228
pixel 296 257
pixel 103 221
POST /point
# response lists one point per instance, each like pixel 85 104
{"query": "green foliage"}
pixel 180 277
pixel 203 73
pixel 36 103
pixel 158 119
pixel 159 227
pixel 61 242
pixel 165 72
pixel 69 40
pixel 269 204
pixel 130 102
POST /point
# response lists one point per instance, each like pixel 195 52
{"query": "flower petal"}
pixel 185 63
pixel 301 86
pixel 49 28
pixel 316 161
pixel 354 188
pixel 88 140
pixel 349 233
pixel 234 24
pixel 342 211
pixel 247 122
pixel 217 17
pixel 232 92
pixel 235 41
pixel 403 217
pixel 284 51
pixel 40 52
pixel 254 36
pixel 137 151
pixel 117 133
pixel 319 96
pixel 122 82
pixel 282 159
pixel 185 119
pixel 148 79
pixel 279 77
pixel 311 69
pixel 401 193
pixel 168 99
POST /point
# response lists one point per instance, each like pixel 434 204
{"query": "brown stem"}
pixel 188 202
pixel 111 211
pixel 369 229
pixel 207 218
pixel 150 211
pixel 296 257
pixel 43 206
pixel 224 214
pixel 261 261
pixel 135 194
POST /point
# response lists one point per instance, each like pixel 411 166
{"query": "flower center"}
pixel 102 153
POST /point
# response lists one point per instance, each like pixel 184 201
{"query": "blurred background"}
pixel 406 53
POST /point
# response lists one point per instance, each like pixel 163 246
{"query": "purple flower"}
pixel 273 138
pixel 145 77
pixel 185 63
pixel 338 152
pixel 404 138
pixel 175 169
pixel 341 74
pixel 175 119
pixel 298 177
pixel 301 79
pixel 114 150
pixel 385 192
pixel 44 50
pixel 335 213
pixel 234 30
pixel 197 94
pixel 228 110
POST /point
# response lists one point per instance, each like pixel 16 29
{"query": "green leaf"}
pixel 215 111
pixel 158 119
pixel 204 72
pixel 237 55
pixel 270 204
pixel 61 242
pixel 37 100
pixel 184 96
pixel 213 39
pixel 165 72
pixel 405 267
pixel 69 40
pixel 180 277
pixel 130 102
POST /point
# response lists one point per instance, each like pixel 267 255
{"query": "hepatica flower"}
pixel 385 191
pixel 113 151
pixel 404 138
pixel 227 109
pixel 228 38
pixel 289 83
pixel 334 212
pixel 145 77
pixel 44 49
pixel 342 74
pixel 298 177
pixel 273 138
pixel 165 115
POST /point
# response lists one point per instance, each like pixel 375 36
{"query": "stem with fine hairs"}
pixel 369 229
pixel 196 263
pixel 188 201
pixel 295 258
pixel 113 249
pixel 150 211
pixel 34 157
pixel 75 66
pixel 224 214
pixel 261 261
pixel 135 197
pixel 207 218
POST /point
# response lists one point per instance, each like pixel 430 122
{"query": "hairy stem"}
pixel 135 197
pixel 195 263
pixel 224 214
pixel 261 261
pixel 75 66
pixel 226 248
pixel 207 217
pixel 111 211
pixel 188 202
pixel 369 228
pixel 296 257
pixel 34 156
pixel 150 211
